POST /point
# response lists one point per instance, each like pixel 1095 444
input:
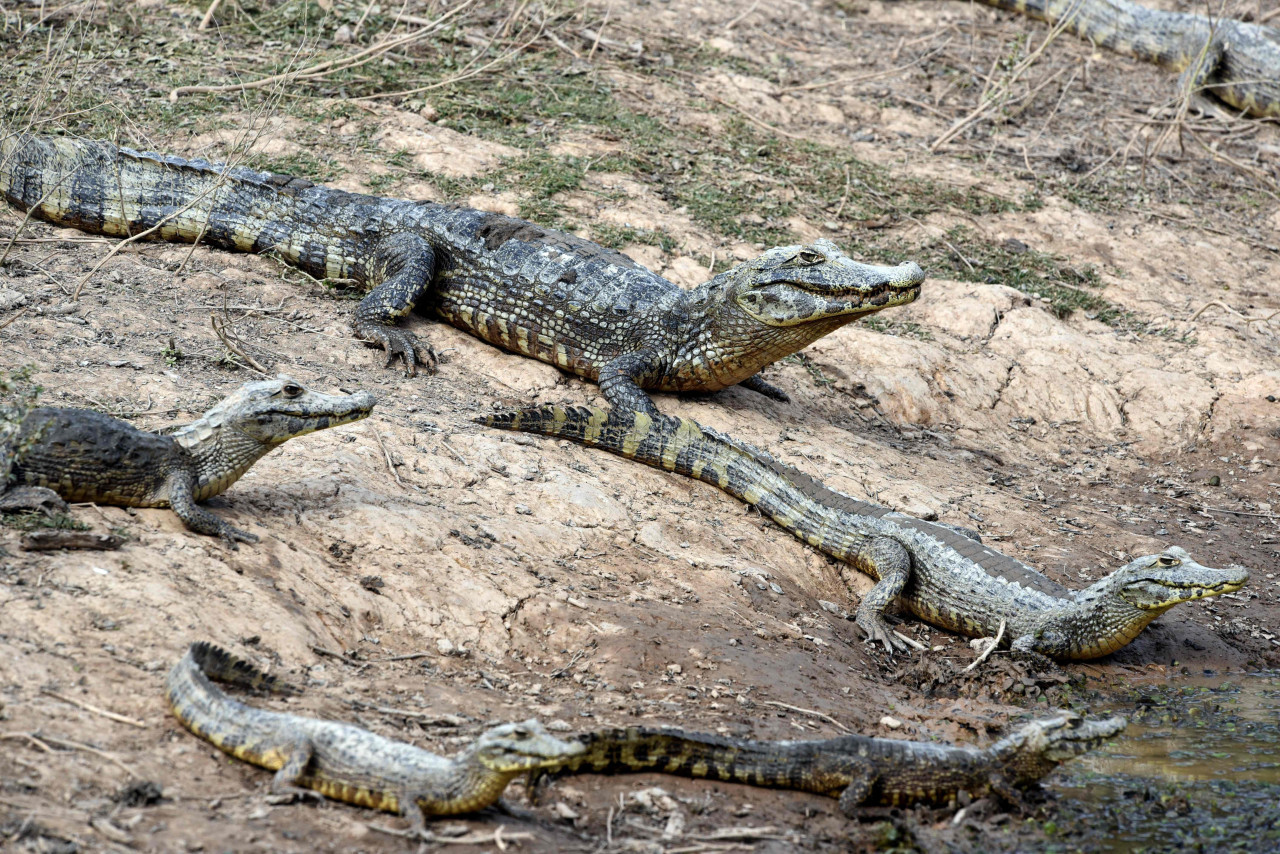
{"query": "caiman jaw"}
pixel 795 285
pixel 1173 577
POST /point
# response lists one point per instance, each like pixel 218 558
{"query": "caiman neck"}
pixel 472 786
pixel 221 455
pixel 1101 621
pixel 733 344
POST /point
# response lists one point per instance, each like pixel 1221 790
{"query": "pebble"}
pixel 891 723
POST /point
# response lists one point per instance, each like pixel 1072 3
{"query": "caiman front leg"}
pixel 620 381
pixel 178 490
pixel 400 272
pixel 890 562
pixel 760 385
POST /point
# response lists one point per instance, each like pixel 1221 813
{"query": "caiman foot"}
pixel 232 535
pixel 877 630
pixel 401 345
pixel 768 389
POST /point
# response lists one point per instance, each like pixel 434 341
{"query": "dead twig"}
pixel 810 712
pixel 15 316
pixel 89 707
pixel 226 335
pixel 208 14
pixel 386 455
pixel 44 741
pixel 757 122
pixel 322 69
pixel 498 837
pixel 990 649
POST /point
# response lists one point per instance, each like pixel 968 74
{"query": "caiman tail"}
pixel 683 446
pixel 1237 62
pixel 204 709
pixel 99 188
pixel 803 766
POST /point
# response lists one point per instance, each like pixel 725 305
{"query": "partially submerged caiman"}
pixel 553 296
pixel 859 770
pixel 1236 61
pixel 943 575
pixel 345 762
pixel 85 455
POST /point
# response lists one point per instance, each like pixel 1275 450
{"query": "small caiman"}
pixel 345 762
pixel 85 455
pixel 859 770
pixel 553 296
pixel 943 575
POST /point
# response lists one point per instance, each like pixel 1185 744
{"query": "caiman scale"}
pixel 859 770
pixel 943 575
pixel 1236 61
pixel 85 455
pixel 345 762
pixel 553 296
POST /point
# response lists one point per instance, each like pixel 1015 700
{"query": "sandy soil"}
pixel 534 578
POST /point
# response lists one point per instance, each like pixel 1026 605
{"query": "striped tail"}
pixel 683 446
pixel 101 189
pixel 218 664
pixel 639 750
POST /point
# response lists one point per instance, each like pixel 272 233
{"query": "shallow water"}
pixel 1197 769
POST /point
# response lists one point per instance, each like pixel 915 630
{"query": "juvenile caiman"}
pixel 85 455
pixel 345 762
pixel 1236 61
pixel 546 294
pixel 942 575
pixel 859 770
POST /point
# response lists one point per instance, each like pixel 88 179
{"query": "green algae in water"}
pixel 1197 770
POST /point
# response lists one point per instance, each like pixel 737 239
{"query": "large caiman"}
pixel 556 297
pixel 943 575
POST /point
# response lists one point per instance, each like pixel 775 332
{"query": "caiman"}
pixel 943 575
pixel 859 770
pixel 84 455
pixel 553 296
pixel 345 762
pixel 1236 61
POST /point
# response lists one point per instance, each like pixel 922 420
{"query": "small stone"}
pixel 831 225
pixel 675 669
pixel 444 646
pixel 429 112
pixel 523 510
pixel 344 34
pixel 564 811
pixel 891 723
pixel 558 725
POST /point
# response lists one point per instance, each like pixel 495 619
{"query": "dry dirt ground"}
pixel 424 577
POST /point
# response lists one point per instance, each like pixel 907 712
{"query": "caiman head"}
pixel 1032 751
pixel 256 418
pixel 520 747
pixel 481 772
pixel 790 296
pixel 1112 611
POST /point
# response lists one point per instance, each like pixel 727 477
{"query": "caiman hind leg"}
pixel 760 385
pixel 621 380
pixel 284 785
pixel 862 776
pixel 890 562
pixel 178 490
pixel 400 272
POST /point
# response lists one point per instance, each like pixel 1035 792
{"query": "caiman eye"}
pixel 810 256
pixel 291 390
pixel 1165 560
pixel 520 732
